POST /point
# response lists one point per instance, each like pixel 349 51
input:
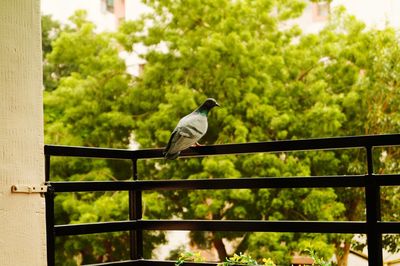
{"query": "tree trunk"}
pixel 354 207
pixel 243 245
pixel 342 253
pixel 220 247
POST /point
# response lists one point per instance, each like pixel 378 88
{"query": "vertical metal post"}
pixel 372 197
pixel 47 167
pixel 135 213
pixel 50 236
pixel 49 199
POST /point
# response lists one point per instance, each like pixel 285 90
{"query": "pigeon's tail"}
pixel 171 156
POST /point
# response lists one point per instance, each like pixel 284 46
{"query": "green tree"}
pixel 85 104
pixel 273 83
pixel 234 51
pixel 361 71
pixel 50 31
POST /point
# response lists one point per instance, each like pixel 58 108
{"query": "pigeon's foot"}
pixel 197 145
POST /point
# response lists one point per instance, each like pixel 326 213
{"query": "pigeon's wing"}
pixel 195 125
pixel 188 131
pixel 167 151
pixel 180 140
pixel 170 142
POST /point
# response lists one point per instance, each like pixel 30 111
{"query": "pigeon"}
pixel 189 130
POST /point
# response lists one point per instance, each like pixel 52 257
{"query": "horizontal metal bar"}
pixel 116 263
pixel 215 225
pixel 388 180
pixel 144 262
pixel 254 183
pixel 75 151
pixel 90 186
pixel 228 183
pixel 297 145
pixel 389 227
pixel 240 148
pixel 93 228
pixel 254 226
pixel 172 263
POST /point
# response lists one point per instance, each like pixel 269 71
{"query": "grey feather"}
pixel 190 130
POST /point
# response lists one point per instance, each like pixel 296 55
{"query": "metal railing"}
pixel 373 227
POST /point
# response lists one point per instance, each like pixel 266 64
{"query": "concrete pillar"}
pixel 22 216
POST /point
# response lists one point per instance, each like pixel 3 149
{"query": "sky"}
pixel 373 12
pixel 62 9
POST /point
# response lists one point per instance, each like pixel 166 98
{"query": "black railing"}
pixel 373 227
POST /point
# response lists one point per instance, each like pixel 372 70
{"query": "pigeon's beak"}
pixel 217 104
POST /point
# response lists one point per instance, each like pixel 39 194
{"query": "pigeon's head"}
pixel 207 106
pixel 209 103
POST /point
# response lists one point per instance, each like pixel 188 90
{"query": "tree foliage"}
pixel 85 105
pixel 273 83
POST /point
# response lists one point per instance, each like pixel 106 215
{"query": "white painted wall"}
pixel 22 218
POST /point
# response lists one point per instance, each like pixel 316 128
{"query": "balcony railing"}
pixel 373 227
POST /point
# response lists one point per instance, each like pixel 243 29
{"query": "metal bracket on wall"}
pixel 29 189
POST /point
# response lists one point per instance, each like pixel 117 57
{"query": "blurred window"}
pixel 321 11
